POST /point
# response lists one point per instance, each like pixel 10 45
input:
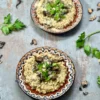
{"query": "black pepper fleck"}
pixel 80 88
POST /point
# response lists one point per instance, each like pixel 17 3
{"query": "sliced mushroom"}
pixel 85 93
pixel 90 10
pixel 38 73
pixel 2 44
pixel 50 72
pixel 84 84
pixel 46 59
pixel 98 4
pixel 35 68
pixel 39 59
pixel 45 13
pixel 55 68
pixel 33 42
pixel 92 18
pixel 53 76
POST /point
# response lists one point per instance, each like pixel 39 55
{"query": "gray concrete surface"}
pixel 18 43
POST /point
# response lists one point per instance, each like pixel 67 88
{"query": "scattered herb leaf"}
pixel 5 29
pixel 93 50
pixel 8 27
pixel 81 40
pixel 97 54
pixel 98 80
pixel 7 19
pixel 55 64
pixel 18 25
pixel 87 49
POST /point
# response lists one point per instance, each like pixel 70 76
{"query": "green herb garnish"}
pixel 56 10
pixel 80 43
pixel 55 64
pixel 8 27
pixel 46 66
pixel 42 66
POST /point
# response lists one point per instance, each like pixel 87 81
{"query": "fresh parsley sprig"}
pixel 80 43
pixel 56 10
pixel 8 27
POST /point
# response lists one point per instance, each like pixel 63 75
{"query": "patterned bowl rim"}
pixel 46 97
pixel 68 28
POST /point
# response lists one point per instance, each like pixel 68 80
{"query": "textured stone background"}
pixel 18 43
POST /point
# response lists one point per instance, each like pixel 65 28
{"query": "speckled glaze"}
pixel 52 95
pixel 75 22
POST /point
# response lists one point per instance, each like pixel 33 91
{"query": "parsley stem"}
pixel 88 36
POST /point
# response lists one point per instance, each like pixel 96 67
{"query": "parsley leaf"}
pixel 45 75
pixel 8 27
pixel 7 19
pixel 82 36
pixel 57 1
pixel 98 80
pixel 87 49
pixel 18 25
pixel 81 40
pixel 93 51
pixel 5 29
pixel 97 54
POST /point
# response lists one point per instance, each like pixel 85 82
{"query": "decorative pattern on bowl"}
pixel 73 24
pixel 33 93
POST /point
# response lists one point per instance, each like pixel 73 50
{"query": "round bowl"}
pixel 52 95
pixel 74 23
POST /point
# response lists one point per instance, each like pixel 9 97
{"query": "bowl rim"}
pixel 61 31
pixel 43 97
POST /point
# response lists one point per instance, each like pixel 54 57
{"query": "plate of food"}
pixel 56 16
pixel 45 73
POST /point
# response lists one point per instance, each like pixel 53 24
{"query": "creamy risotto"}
pixel 45 72
pixel 55 18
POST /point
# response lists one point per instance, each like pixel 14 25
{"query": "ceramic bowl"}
pixel 52 95
pixel 74 23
